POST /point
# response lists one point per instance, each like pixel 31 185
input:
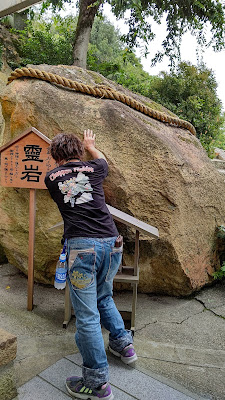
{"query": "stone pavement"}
pixel 127 383
pixel 179 341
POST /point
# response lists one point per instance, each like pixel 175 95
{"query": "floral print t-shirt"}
pixel 76 187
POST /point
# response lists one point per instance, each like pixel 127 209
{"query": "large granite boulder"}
pixel 5 71
pixel 158 173
pixel 9 42
pixel 219 154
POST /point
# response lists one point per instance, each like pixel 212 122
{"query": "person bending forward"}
pixel 93 260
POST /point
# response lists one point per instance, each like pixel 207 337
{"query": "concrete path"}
pixel 179 341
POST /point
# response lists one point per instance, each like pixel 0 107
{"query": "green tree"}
pixel 52 43
pixel 47 42
pixel 190 92
pixel 181 16
pixel 105 48
pixel 108 55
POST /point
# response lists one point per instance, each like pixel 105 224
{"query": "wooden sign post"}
pixel 25 161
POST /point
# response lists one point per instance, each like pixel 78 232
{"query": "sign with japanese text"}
pixel 26 160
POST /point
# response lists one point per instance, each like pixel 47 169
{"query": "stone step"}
pixel 220 153
pixel 127 383
pixel 8 348
pixel 221 171
pixel 220 164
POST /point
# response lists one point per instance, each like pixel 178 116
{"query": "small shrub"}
pixel 220 235
pixel 46 43
pixel 221 273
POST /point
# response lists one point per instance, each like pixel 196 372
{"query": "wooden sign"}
pixel 25 160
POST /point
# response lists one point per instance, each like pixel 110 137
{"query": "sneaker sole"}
pixel 125 360
pixel 87 396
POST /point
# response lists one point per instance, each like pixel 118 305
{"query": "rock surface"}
pixel 9 42
pixel 158 173
pixel 219 153
pixel 8 347
pixel 4 74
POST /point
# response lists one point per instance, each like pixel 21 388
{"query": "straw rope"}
pixel 102 92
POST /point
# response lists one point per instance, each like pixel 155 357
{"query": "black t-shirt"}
pixel 76 187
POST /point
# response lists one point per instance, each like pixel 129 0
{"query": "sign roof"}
pixel 11 6
pixel 25 133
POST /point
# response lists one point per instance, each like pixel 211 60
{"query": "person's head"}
pixel 65 147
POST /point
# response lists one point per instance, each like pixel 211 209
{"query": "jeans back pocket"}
pixel 115 261
pixel 81 266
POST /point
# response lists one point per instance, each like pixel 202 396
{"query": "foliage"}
pixel 190 92
pixel 132 75
pixel 221 273
pixel 104 48
pixel 50 43
pixel 221 232
pixel 221 235
pixel 55 4
pixel 181 16
pixel 108 56
pixel 219 140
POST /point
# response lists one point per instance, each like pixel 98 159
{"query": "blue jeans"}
pixel 92 265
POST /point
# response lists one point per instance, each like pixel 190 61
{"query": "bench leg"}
pixel 134 305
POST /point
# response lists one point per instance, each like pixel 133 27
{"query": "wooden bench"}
pixel 126 274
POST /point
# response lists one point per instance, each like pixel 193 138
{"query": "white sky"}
pixel 213 60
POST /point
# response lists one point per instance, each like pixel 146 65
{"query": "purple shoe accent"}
pixel 127 355
pixel 128 352
pixel 107 393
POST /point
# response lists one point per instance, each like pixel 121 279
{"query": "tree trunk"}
pixel 82 36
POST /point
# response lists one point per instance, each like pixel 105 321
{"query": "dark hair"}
pixel 65 147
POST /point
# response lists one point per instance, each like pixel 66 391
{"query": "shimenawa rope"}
pixel 100 91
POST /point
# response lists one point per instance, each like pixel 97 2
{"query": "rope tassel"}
pixel 102 92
